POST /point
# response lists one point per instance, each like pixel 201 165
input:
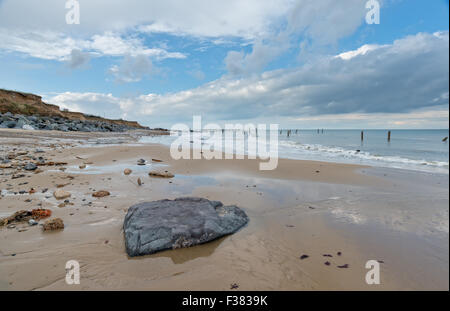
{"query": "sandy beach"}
pixel 350 213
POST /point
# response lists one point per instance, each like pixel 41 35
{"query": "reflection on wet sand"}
pixel 182 255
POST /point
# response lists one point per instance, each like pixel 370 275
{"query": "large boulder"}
pixel 168 224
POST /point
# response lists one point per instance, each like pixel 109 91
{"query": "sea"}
pixel 420 150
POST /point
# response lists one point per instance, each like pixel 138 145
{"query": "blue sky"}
pixel 229 61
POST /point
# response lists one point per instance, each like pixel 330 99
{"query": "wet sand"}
pixel 303 207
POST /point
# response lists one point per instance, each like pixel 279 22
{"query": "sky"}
pixel 298 63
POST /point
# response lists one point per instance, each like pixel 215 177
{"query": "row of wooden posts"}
pixel 388 136
pixel 288 133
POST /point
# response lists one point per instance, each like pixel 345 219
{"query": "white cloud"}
pixel 203 18
pixel 58 46
pixel 105 105
pixel 360 51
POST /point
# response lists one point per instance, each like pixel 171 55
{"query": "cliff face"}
pixel 30 104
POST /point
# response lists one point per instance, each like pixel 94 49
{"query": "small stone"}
pixel 343 266
pixel 82 166
pixel 53 224
pixel 234 286
pixel 141 162
pixel 127 171
pixel 139 181
pixel 30 167
pixel 32 222
pixel 164 174
pixel 101 194
pixel 61 194
pixel 304 257
pixel 327 263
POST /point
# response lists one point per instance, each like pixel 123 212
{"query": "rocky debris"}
pixel 445 139
pixel 234 286
pixel 141 162
pixel 59 123
pixel 156 160
pixel 163 174
pixel 30 167
pixel 150 227
pixel 101 194
pixel 41 213
pixel 53 224
pixel 19 216
pixel 23 216
pixel 139 181
pixel 304 257
pixel 61 194
pixel 82 166
pixel 127 171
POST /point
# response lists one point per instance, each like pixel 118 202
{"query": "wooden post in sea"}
pixel 362 135
pixel 389 136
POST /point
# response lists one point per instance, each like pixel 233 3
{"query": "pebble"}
pixel 61 194
pixel 101 194
pixel 30 167
pixel 32 222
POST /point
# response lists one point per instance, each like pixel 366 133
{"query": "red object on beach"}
pixel 41 213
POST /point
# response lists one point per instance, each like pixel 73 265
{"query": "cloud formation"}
pixel 200 18
pixel 132 69
pixel 318 23
pixel 78 59
pixel 408 75
pixel 58 46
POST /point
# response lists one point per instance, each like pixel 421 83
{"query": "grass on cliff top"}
pixel 16 108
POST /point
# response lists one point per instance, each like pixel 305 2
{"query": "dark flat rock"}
pixel 151 227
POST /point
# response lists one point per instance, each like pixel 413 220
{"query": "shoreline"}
pixel 363 212
pixel 122 138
